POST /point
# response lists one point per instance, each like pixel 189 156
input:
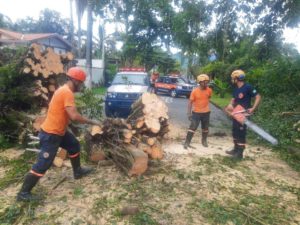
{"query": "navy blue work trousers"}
pixel 49 144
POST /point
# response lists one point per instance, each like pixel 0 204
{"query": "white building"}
pixel 97 70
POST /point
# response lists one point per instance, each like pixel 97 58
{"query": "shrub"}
pixel 89 104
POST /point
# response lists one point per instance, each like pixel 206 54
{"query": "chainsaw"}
pixel 240 114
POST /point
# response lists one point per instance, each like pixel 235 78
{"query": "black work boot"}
pixel 188 139
pixel 29 182
pixel 79 171
pixel 233 151
pixel 204 139
pixel 239 152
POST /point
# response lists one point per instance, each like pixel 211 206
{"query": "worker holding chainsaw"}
pixel 240 103
pixel 198 110
pixel 54 134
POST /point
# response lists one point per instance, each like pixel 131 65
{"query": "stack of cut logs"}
pixel 61 158
pixel 130 142
pixel 45 65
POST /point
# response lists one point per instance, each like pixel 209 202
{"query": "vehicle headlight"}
pixel 111 95
pixel 179 87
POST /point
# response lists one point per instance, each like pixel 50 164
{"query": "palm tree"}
pixel 72 25
pixel 80 8
pixel 89 42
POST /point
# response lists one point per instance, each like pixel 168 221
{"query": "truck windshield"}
pixel 131 79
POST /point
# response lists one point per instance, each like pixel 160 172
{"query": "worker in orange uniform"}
pixel 198 110
pixel 54 134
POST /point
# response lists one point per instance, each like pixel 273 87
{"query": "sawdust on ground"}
pixel 95 199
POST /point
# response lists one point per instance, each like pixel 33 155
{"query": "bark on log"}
pixel 129 142
pixel 140 164
pixel 146 148
pixel 97 155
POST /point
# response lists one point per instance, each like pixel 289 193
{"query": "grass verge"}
pixel 221 102
pixel 99 90
pixel 16 169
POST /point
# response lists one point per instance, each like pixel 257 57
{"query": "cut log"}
pixel 96 130
pixel 51 88
pixel 26 70
pixel 127 133
pixel 58 162
pixel 45 97
pixel 97 155
pixel 140 122
pixel 36 50
pixel 129 142
pixel 62 153
pixel 156 152
pixel 44 90
pixel 70 56
pixel 38 122
pixel 140 163
pixel 148 140
pixel 153 124
pixel 67 163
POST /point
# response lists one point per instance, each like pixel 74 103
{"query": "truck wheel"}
pixel 173 93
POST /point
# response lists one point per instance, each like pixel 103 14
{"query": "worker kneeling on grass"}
pixel 198 110
pixel 54 133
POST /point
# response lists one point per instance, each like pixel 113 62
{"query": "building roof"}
pixel 19 37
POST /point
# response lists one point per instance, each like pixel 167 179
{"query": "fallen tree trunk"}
pixel 131 142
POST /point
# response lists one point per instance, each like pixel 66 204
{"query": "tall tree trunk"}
pixel 79 36
pixel 72 25
pixel 101 36
pixel 89 43
pixel 80 8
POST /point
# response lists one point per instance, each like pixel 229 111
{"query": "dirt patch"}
pixel 195 186
pixel 12 153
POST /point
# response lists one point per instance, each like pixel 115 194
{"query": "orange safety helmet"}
pixel 76 73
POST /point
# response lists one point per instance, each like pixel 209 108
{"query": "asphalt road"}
pixel 178 114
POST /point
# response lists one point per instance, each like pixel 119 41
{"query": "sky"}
pixel 20 9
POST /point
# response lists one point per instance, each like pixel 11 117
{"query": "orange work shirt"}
pixel 200 100
pixel 57 118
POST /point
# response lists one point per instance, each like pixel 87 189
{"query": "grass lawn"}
pixel 221 102
pixel 99 90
